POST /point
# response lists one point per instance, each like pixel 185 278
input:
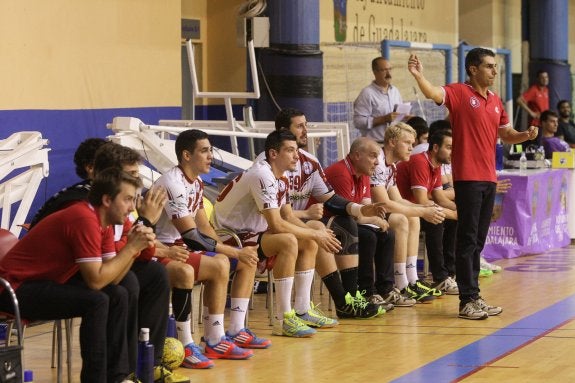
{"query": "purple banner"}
pixel 530 218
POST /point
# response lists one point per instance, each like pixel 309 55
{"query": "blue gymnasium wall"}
pixel 65 129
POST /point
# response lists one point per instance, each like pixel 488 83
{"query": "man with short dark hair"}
pixel 308 184
pixel 147 283
pixel 256 206
pixel 566 128
pixel 551 143
pixel 478 117
pixel 67 267
pixel 184 219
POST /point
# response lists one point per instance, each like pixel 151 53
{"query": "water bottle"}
pixel 172 331
pixel 542 154
pixel 145 366
pixel 523 163
pixel 498 156
pixel 28 376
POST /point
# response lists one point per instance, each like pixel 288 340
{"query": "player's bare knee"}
pixel 399 223
pixel 316 225
pixel 181 275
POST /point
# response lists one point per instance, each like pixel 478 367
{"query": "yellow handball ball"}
pixel 173 353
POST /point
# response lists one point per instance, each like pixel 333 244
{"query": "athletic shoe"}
pixel 292 326
pixel 448 286
pixel 427 286
pixel 314 317
pixel 415 291
pixel 471 310
pixel 245 338
pixel 490 310
pixel 378 300
pixel 483 264
pixel 162 374
pixel 357 309
pixel 226 349
pixel 485 273
pixel 195 358
pixel 382 304
pixel 399 299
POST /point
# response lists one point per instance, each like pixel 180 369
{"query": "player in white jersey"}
pixel 184 220
pixel 404 217
pixel 308 181
pixel 256 206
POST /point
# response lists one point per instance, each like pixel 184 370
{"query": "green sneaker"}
pixel 292 326
pixel 418 292
pixel 485 273
pixel 356 309
pixel 360 297
pixel 314 317
pixel 427 286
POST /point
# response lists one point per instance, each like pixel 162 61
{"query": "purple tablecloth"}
pixel 532 217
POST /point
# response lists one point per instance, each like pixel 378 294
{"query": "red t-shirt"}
pixel 417 173
pixel 53 249
pixel 537 100
pixel 474 121
pixel 346 183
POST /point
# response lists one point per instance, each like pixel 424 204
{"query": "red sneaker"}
pixel 226 349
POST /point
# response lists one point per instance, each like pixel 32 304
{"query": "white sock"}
pixel 184 330
pixel 216 328
pixel 283 296
pixel 400 276
pixel 411 269
pixel 238 309
pixel 302 283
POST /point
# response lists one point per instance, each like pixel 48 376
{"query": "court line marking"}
pixel 472 358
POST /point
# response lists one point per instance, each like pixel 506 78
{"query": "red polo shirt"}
pixel 475 121
pixel 417 173
pixel 346 182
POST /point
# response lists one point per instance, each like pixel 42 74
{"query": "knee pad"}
pixel 345 229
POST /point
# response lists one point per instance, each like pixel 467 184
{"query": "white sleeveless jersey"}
pixel 306 181
pixel 383 175
pixel 240 204
pixel 185 197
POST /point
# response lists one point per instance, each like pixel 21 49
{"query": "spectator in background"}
pixel 374 108
pixel 421 129
pixel 551 143
pixel 536 99
pixel 566 128
pixel 424 146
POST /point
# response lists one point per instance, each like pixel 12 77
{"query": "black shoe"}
pixel 358 309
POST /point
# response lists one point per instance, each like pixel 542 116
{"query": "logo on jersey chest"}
pixel 307 168
pixel 474 102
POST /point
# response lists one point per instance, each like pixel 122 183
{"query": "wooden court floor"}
pixel 531 341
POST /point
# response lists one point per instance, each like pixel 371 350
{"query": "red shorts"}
pixel 253 239
pixel 194 258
